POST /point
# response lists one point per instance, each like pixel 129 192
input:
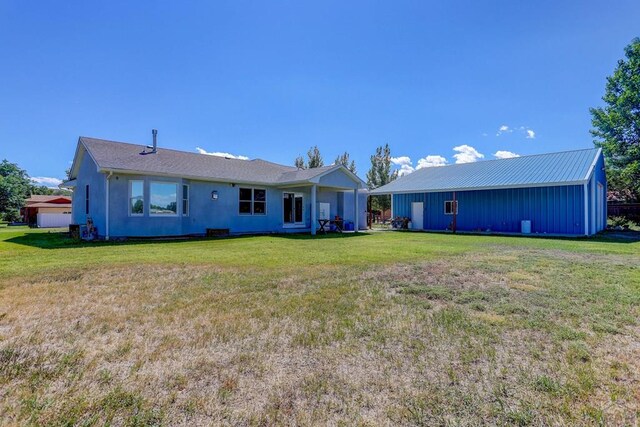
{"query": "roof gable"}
pixel 563 168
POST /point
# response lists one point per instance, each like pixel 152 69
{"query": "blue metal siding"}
pixel 554 210
pixel 402 204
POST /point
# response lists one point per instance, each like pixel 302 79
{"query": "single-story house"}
pixel 556 193
pixel 47 211
pixel 129 190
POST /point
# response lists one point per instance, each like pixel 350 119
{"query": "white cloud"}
pixel 529 133
pixel 467 154
pixel 220 154
pixel 405 165
pixel 431 161
pixel 501 154
pixel 504 129
pixel 46 181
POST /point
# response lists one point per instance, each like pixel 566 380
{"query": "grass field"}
pixel 386 328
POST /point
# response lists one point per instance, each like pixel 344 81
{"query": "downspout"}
pixel 586 209
pixel 106 226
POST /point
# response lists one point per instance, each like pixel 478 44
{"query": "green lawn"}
pixel 383 328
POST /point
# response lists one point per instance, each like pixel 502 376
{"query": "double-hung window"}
pixel 136 197
pixel 252 201
pixel 185 200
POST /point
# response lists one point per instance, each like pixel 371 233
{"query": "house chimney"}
pixel 154 132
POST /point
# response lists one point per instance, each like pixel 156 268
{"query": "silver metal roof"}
pixel 127 158
pixel 564 168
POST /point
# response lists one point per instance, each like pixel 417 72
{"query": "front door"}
pixel 417 215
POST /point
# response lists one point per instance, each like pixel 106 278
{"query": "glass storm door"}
pixel 292 208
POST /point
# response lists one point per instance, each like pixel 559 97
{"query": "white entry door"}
pixel 417 215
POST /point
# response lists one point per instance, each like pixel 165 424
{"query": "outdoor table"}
pixel 337 223
pixel 323 223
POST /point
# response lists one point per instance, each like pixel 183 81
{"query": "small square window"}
pixel 450 206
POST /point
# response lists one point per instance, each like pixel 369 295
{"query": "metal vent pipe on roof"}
pixel 154 132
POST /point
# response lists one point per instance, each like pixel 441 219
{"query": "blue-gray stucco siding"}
pixel 88 175
pixel 203 211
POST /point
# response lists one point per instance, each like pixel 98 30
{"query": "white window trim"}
pixel 131 181
pixel 164 215
pixel 252 213
pixel 293 224
pixel 188 199
pixel 453 204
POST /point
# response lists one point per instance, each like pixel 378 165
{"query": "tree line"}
pixel 379 173
pixel 616 129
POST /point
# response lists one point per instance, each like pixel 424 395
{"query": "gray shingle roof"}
pixel 568 167
pixel 120 156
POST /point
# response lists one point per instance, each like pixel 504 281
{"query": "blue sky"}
pixel 270 79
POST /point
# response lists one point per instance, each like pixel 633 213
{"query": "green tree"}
pixel 314 159
pixel 343 159
pixel 14 189
pixel 380 174
pixel 616 126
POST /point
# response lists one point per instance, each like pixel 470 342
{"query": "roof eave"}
pixel 382 191
pixel 70 183
pixel 191 177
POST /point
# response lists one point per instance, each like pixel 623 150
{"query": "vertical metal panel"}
pixel 554 210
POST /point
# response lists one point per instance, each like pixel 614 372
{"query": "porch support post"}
pixel 356 213
pixel 314 214
pixel 390 195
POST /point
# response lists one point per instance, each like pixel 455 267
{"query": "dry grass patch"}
pixel 455 340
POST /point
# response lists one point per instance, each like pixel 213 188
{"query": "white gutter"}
pixel 205 179
pixel 106 231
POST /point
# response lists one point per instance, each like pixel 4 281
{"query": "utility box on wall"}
pixel 323 211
